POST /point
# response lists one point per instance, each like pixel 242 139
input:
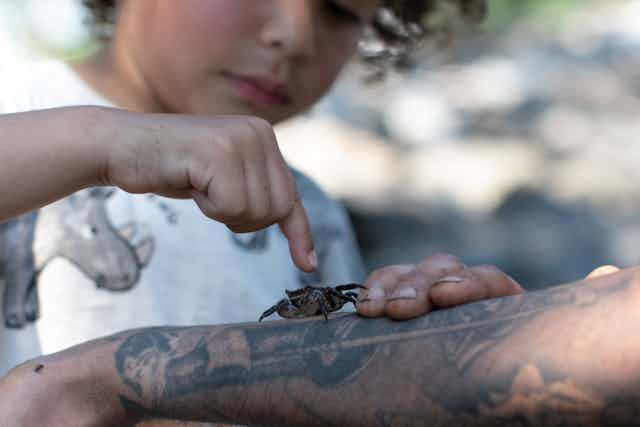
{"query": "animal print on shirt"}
pixel 79 230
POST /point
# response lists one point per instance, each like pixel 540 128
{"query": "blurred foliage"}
pixel 505 13
pixel 40 48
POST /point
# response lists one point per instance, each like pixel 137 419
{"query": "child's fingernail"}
pixel 373 294
pixel 450 279
pixel 313 259
pixel 404 293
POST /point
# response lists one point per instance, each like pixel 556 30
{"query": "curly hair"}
pixel 398 28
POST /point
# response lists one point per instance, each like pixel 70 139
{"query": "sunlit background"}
pixel 519 148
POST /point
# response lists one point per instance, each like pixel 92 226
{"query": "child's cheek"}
pixel 221 25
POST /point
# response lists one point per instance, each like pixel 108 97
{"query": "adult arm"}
pixel 563 356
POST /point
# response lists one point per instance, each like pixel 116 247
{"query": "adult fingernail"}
pixel 313 259
pixel 404 293
pixel 373 294
pixel 405 268
pixel 449 279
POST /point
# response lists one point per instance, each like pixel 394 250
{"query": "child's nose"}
pixel 292 28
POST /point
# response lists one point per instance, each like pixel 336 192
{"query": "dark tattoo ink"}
pixel 331 356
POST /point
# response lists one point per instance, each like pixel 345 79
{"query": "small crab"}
pixel 313 301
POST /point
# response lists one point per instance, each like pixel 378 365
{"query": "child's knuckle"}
pixel 261 212
pixel 258 122
pixel 260 127
pixel 283 207
pixel 234 209
pixel 227 149
pixel 211 212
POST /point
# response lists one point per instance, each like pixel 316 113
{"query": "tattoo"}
pixel 138 351
pixel 132 407
pixel 175 367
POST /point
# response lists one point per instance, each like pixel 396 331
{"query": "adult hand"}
pixel 230 165
pixel 439 281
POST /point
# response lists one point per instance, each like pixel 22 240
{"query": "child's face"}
pixel 270 58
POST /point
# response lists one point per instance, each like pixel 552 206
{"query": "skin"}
pixel 562 356
pixel 230 165
pixel 209 159
pixel 186 58
pixel 171 56
pixel 402 292
pixel 150 149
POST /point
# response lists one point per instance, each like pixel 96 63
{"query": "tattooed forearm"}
pixel 544 358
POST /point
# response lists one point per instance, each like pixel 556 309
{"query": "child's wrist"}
pixel 101 134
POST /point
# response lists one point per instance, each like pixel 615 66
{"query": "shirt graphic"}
pixel 77 229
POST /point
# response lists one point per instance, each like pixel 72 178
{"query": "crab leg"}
pixel 349 286
pixel 272 310
pixel 352 295
pixel 325 309
pixel 349 296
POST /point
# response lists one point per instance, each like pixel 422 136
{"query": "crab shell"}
pixel 306 302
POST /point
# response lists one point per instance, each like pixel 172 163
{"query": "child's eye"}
pixel 342 12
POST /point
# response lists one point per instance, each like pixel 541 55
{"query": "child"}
pixel 204 59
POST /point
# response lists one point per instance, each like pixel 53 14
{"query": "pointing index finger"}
pixel 296 229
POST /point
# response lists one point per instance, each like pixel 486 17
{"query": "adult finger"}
pixel 439 265
pixel 410 296
pixel 473 284
pixel 380 284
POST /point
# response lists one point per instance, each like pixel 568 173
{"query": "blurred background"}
pixel 515 147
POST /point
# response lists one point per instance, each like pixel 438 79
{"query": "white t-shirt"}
pixel 174 265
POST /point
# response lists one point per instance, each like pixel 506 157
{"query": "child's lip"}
pixel 264 90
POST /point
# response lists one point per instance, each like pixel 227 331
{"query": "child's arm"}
pixel 46 155
pixel 230 165
pixel 562 356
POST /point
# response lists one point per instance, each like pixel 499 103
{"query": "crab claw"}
pixel 349 286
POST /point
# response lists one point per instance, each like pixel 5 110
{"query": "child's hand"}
pixel 406 291
pixel 230 165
